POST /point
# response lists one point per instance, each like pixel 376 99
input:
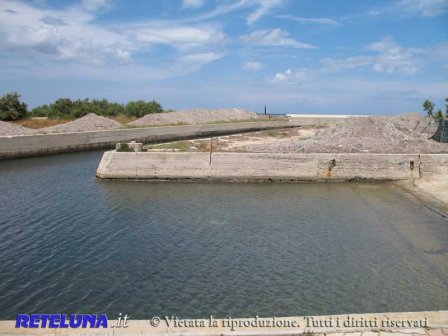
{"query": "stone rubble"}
pixel 194 116
pixel 402 134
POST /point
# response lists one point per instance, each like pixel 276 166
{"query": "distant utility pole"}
pixel 265 109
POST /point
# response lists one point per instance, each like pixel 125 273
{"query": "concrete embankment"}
pixel 320 119
pixel 271 166
pixel 41 144
pixel 426 323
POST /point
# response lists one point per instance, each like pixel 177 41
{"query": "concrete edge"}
pixel 55 143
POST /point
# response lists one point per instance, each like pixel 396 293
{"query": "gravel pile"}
pixel 90 122
pixel 7 128
pixel 399 134
pixel 195 116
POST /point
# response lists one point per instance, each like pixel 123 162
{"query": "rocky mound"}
pixel 8 129
pixel 90 122
pixel 407 133
pixel 399 134
pixel 194 116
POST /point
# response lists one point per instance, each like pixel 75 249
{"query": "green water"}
pixel 72 244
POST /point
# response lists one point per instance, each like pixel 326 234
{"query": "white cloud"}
pixel 178 36
pixel 331 64
pixel 193 3
pixel 304 20
pixel 425 8
pixel 291 77
pixel 201 58
pixel 401 9
pixel 438 52
pixel 264 7
pixel 94 5
pixel 71 36
pixel 273 37
pixel 390 58
pixel 252 66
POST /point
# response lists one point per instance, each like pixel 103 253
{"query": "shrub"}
pixel 123 147
pixel 140 108
pixel 11 108
pixel 105 108
pixel 65 108
pixel 40 111
pixel 428 107
pixel 438 114
pixel 61 108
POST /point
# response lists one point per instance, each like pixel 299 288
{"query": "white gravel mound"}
pixel 194 116
pixel 90 122
pixel 377 135
pixel 9 129
pixel 402 134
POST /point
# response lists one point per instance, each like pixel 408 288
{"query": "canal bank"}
pixel 43 144
pixel 232 166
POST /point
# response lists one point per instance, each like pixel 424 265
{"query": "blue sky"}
pixel 295 56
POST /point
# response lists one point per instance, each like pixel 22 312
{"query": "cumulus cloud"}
pixel 393 58
pixel 273 37
pixel 389 58
pixel 386 56
pixel 72 35
pixel 291 77
pixel 252 66
pixel 70 42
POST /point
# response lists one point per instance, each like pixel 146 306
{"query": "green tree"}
pixel 140 108
pixel 40 111
pixel 61 108
pixel 105 108
pixel 11 108
pixel 446 108
pixel 80 108
pixel 428 107
pixel 438 115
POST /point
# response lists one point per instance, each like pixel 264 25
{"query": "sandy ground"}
pixel 240 142
pixel 434 192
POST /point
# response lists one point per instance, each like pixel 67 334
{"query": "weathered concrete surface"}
pixel 271 166
pixel 41 144
pixel 320 119
pixel 429 323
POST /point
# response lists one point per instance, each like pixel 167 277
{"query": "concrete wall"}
pixel 28 145
pixel 270 166
pixel 319 119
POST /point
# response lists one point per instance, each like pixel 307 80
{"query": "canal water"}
pixel 70 243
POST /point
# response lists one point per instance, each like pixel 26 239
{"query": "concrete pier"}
pixel 271 166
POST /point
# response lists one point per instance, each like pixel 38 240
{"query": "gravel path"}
pixel 7 128
pixel 399 134
pixel 195 116
pixel 90 122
